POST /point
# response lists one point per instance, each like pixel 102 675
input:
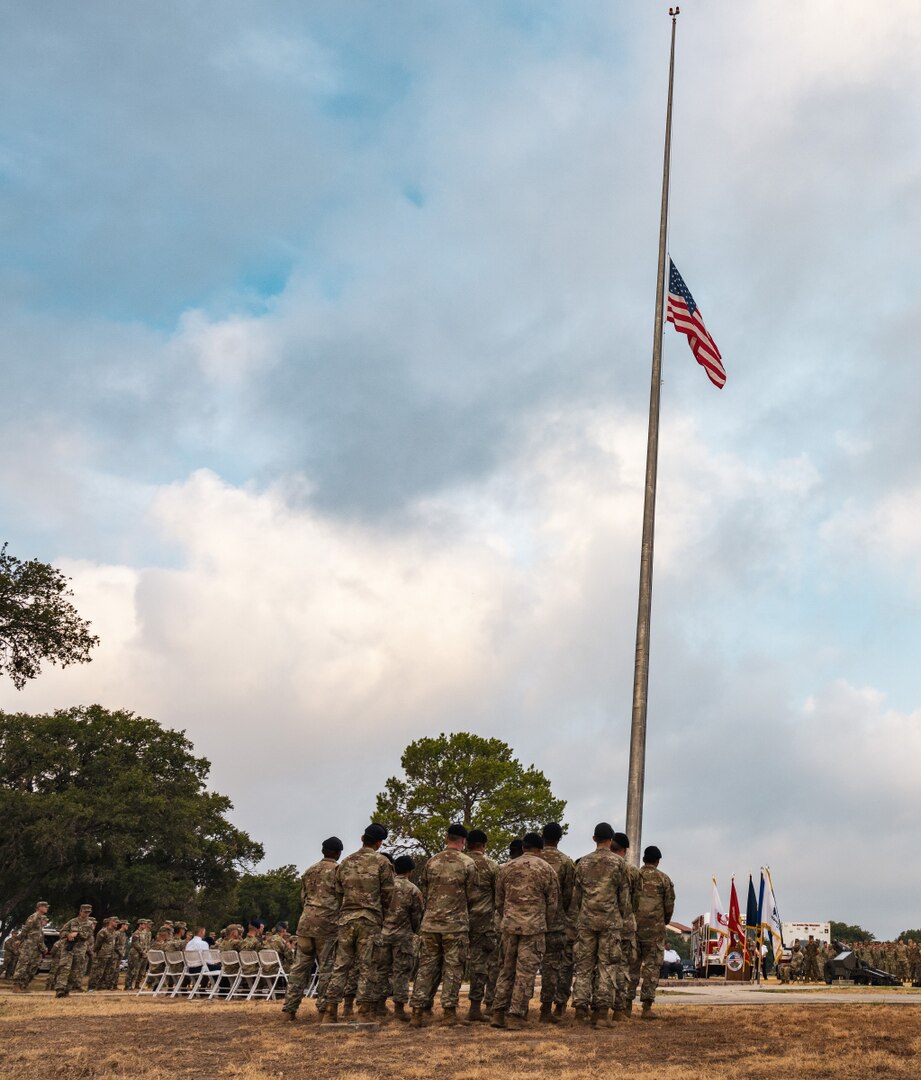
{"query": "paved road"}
pixel 729 994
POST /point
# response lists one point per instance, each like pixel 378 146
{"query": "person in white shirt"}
pixel 198 941
pixel 671 964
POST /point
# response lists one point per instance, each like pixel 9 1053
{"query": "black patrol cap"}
pixel 374 832
pixel 404 864
pixel 553 832
pixel 652 854
pixel 333 844
pixel 516 847
pixel 477 836
pixel 457 830
pixel 603 831
pixel 533 840
pixel 621 840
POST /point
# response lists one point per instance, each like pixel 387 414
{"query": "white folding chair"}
pixel 225 980
pixel 248 978
pixel 192 965
pixel 209 973
pixel 270 974
pixel 172 976
pixel 156 968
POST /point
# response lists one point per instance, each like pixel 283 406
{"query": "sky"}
pixel 326 345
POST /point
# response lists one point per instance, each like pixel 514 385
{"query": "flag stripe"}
pixel 682 312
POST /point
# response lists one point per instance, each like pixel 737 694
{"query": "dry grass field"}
pixel 115 1035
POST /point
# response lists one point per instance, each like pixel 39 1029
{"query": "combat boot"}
pixel 330 1013
pixel 599 1016
pixel 399 1011
pixel 476 1012
pixel 498 1019
pixel 628 1007
pixel 559 1009
pixel 449 1015
pixel 429 1011
pixel 416 1020
pixel 289 1014
pixel 380 1009
pixel 363 1011
pixel 619 1016
pixel 581 1014
pixel 517 1023
pixel 347 1008
pixel 647 1011
pixel 61 993
pixel 546 1013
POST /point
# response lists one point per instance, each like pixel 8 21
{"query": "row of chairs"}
pixel 214 974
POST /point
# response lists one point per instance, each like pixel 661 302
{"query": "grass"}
pixel 115 1035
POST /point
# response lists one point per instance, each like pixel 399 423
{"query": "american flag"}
pixel 684 314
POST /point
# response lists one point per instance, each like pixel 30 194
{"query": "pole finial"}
pixel 674 12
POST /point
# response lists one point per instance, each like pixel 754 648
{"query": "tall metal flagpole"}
pixel 637 772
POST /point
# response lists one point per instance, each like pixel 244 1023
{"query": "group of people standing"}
pixel 594 928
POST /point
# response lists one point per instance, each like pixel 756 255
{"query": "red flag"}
pixel 736 933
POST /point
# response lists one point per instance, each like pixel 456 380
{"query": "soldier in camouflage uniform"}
pixel 654 907
pixel 483 951
pixel 796 962
pixel 11 949
pixel 316 929
pixel 32 947
pixel 631 951
pixel 110 978
pixel 102 954
pixel 364 887
pixel 76 934
pixel 396 955
pixel 448 883
pixel 137 955
pixel 601 897
pixel 54 961
pixel 556 969
pixel 811 960
pixel 527 901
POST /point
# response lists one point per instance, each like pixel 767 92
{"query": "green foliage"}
pixel 909 935
pixel 679 943
pixel 274 896
pixel 466 778
pixel 110 809
pixel 37 622
pixel 841 931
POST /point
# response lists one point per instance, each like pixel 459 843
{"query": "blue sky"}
pixel 326 340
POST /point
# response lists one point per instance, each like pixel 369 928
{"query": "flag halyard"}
pixel 682 312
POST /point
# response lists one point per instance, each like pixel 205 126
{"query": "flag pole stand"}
pixel 636 776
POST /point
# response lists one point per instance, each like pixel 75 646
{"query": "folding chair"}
pixel 248 979
pixel 172 976
pixel 225 980
pixel 208 975
pixel 270 974
pixel 156 969
pixel 192 965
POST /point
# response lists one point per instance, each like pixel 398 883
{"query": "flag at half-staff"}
pixel 684 314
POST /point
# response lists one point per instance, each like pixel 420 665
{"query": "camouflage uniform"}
pixel 396 954
pixel 55 960
pixel 11 950
pixel 527 901
pixel 483 952
pixel 364 886
pixel 32 949
pixel 316 933
pixel 654 906
pixel 556 970
pixel 903 972
pixel 72 960
pixel 448 882
pixel 102 954
pixel 601 897
pixel 796 963
pixel 110 979
pixel 137 957
pixel 811 961
pixel 629 941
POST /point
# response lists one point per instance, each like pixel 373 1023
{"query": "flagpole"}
pixel 637 769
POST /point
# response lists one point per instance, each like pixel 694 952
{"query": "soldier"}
pixel 448 883
pixel 811 960
pixel 316 929
pixel 483 952
pixel 110 979
pixel 102 954
pixel 364 887
pixel 796 962
pixel 76 934
pixel 601 898
pixel 654 907
pixel 55 960
pixel 137 955
pixel 32 947
pixel 903 973
pixel 527 901
pixel 556 969
pixel 396 954
pixel 11 948
pixel 630 976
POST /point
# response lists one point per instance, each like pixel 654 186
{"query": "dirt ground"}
pixel 117 1035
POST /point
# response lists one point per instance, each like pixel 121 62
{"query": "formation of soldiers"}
pixel 594 928
pixel 900 959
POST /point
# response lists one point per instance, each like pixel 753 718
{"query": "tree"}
pixel 110 809
pixel 466 778
pixel 274 896
pixel 37 622
pixel 909 935
pixel 841 931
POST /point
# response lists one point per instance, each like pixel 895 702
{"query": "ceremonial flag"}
pixel 719 922
pixel 684 314
pixel 770 919
pixel 752 917
pixel 736 933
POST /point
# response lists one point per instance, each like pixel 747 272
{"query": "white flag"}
pixel 770 918
pixel 719 923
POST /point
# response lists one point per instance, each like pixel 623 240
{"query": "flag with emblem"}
pixel 683 313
